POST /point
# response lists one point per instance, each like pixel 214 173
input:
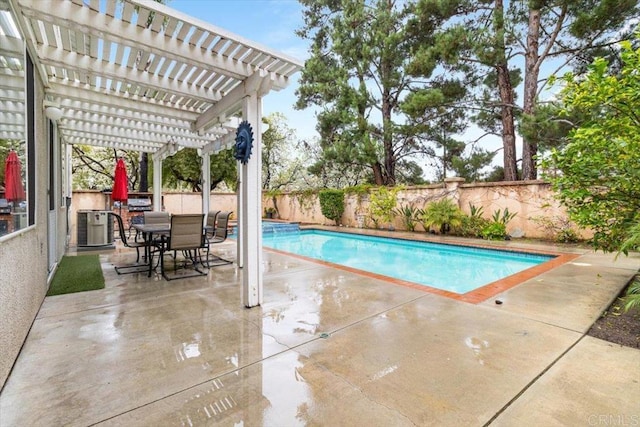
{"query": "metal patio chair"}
pixel 217 235
pixel 135 244
pixel 186 236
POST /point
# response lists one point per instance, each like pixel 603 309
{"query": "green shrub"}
pixel 471 226
pixel 632 296
pixel 503 217
pixel 382 203
pixel 494 231
pixel 409 216
pixel 442 214
pixel 632 243
pixel 332 204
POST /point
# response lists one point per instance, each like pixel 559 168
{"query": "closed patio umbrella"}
pixel 120 192
pixel 14 190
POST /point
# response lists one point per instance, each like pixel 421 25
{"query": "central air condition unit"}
pixel 95 228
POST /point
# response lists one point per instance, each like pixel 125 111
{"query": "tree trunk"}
pixel 506 97
pixel 144 172
pixel 377 174
pixel 387 140
pixel 532 70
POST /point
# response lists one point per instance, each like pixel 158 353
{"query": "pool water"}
pixel 457 269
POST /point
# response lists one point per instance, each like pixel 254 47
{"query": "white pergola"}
pixel 138 75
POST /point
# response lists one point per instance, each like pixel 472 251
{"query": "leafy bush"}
pixel 332 204
pixel 442 214
pixel 632 296
pixel 596 174
pixel 503 217
pixel 471 226
pixel 494 231
pixel 382 203
pixel 409 216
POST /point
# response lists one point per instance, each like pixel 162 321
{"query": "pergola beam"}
pixel 259 82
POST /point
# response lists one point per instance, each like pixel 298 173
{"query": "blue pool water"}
pixel 458 269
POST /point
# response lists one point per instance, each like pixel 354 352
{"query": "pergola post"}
pixel 239 224
pixel 206 182
pixel 157 183
pixel 249 215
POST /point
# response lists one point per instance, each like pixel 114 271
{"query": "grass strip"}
pixel 77 274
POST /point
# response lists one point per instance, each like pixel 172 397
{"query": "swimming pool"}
pixel 457 269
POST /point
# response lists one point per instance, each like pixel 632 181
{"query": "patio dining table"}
pixel 148 232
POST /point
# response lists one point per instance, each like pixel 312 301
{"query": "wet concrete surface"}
pixel 327 347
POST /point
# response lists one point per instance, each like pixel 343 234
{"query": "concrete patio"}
pixel 327 347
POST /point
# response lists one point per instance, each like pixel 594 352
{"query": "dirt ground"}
pixel 618 327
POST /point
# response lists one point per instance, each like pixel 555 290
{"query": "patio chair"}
pixel 217 235
pixel 211 219
pixel 137 267
pixel 155 217
pixel 186 235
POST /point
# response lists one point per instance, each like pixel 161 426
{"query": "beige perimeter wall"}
pixel 530 200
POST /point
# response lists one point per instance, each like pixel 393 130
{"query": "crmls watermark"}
pixel 613 420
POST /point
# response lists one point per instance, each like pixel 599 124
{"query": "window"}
pixel 17 159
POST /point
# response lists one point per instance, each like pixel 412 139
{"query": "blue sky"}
pixel 268 22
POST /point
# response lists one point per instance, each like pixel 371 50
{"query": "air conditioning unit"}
pixel 94 228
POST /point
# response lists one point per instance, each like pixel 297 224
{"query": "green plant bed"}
pixel 77 274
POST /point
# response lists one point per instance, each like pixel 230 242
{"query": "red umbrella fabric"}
pixel 120 192
pixel 14 190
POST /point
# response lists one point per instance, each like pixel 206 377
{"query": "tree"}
pixel 332 204
pixel 356 75
pixel 94 167
pixel 184 170
pixel 493 40
pixel 471 40
pixel 283 165
pixel 470 166
pixel 596 175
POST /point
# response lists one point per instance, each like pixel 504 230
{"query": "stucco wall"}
pixel 528 200
pixel 23 261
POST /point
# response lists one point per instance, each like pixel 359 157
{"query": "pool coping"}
pixel 475 296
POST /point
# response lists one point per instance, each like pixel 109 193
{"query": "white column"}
pixel 157 184
pixel 250 214
pixel 239 223
pixel 206 182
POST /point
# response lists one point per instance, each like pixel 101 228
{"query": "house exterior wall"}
pixel 24 258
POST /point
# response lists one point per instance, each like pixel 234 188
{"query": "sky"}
pixel 271 23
